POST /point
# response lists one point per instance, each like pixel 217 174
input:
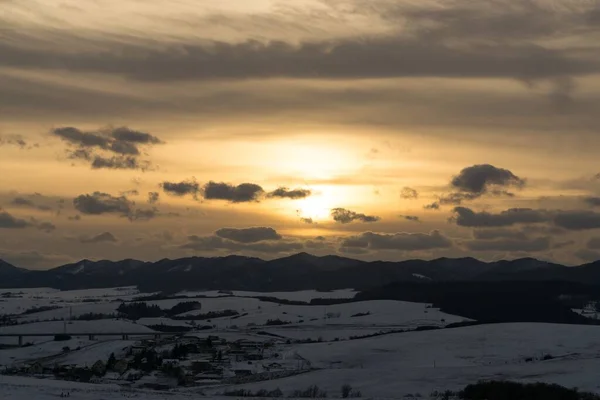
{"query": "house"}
pixel 171 362
pixel 242 371
pixel 237 355
pixel 138 349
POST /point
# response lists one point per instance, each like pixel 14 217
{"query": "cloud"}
pixel 409 193
pixel 577 220
pixel 294 194
pixel 433 206
pixel 248 235
pixel 21 201
pixel 121 144
pixel 381 56
pixel 412 218
pixel 307 220
pixel 100 238
pixel 119 162
pixel 593 243
pixel 33 259
pixel 215 243
pixel 499 233
pixel 7 221
pixel 15 140
pixel 181 188
pixel 398 241
pixel 99 203
pixel 588 255
pixel 28 202
pixel 475 181
pixel 143 214
pixel 344 216
pixel 509 244
pixel 153 197
pixel 46 226
pixel 243 193
pixel 74 218
pixel 592 201
pixel 469 218
pixel 126 135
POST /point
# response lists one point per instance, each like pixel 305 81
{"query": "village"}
pixel 177 361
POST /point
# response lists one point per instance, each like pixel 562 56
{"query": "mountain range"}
pixel 297 272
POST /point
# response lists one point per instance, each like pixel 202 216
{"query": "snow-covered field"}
pixel 420 362
pixel 391 365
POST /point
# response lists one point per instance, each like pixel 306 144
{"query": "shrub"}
pixel 312 392
pixel 502 390
pixel 346 390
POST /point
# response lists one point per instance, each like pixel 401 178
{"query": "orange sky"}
pixel 378 110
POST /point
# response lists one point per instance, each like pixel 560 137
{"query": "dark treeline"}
pixel 499 301
pixel 137 310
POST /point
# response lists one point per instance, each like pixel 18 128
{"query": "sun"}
pixel 316 207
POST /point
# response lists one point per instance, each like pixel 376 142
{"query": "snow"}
pixel 18 388
pixel 88 355
pixel 380 313
pixel 76 327
pixel 390 365
pixel 420 362
pixel 302 295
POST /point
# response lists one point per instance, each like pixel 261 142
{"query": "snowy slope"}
pixel 398 364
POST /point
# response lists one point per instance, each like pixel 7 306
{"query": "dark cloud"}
pixel 126 135
pixel 216 243
pixel 588 255
pixel 419 53
pixel 21 201
pixel 28 202
pixel 102 203
pixel 83 139
pixel 409 193
pixel 248 235
pixel 181 188
pixel 593 243
pixel 398 241
pixel 294 194
pixel 475 181
pixel 119 162
pixel 499 233
pixel 355 251
pixel 122 144
pixel 316 244
pixel 33 259
pixel 16 140
pixel 153 197
pixel 102 237
pixel 509 244
pixel 143 214
pixel 412 218
pixel 577 220
pixel 433 206
pixel 245 192
pixel 46 226
pixel 469 218
pixel 592 201
pixel 7 221
pixel 344 216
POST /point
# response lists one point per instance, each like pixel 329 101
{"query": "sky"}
pixel 387 129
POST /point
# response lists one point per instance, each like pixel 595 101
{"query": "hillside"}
pixel 298 272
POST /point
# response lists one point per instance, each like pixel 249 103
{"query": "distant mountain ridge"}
pixel 297 272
